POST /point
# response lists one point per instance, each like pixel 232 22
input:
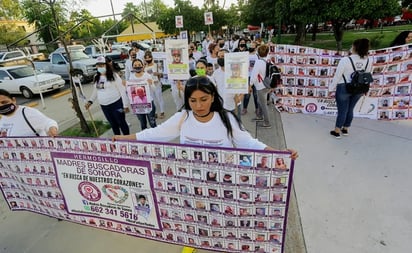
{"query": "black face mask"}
pixel 251 50
pixel 7 109
pixel 149 61
pixel 242 45
pixel 137 69
pixel 190 55
pixel 221 45
pixel 221 62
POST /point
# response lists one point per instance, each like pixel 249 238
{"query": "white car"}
pixel 21 79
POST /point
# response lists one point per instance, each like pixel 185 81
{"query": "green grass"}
pixel 76 131
pixel 379 38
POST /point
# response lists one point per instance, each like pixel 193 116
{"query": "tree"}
pixel 192 17
pixel 154 8
pixel 39 14
pixel 13 33
pixel 10 9
pixel 55 10
pixel 340 12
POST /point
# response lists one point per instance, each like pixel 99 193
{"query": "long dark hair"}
pixel 400 39
pixel 361 47
pixel 109 73
pixel 204 84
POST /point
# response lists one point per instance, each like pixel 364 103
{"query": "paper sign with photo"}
pixel 177 59
pixel 236 72
pixel 139 97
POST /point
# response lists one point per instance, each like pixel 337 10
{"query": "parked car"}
pixel 21 79
pixel 84 66
pixel 18 58
pixel 117 54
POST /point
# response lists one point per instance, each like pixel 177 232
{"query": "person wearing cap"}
pixel 111 95
pixel 177 56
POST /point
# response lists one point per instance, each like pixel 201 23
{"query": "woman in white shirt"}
pixel 139 76
pixel 19 120
pixel 203 122
pixel 344 100
pixel 111 95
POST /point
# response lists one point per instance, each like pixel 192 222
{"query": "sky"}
pixel 103 7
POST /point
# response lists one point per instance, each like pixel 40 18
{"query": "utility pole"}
pixel 114 17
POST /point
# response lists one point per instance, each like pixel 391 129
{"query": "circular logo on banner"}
pixel 311 107
pixel 89 191
pixel 115 193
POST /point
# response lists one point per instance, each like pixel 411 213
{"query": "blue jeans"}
pixel 346 103
pixel 116 116
pixel 151 117
pixel 246 99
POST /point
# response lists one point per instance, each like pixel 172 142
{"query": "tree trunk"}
pixel 300 34
pixel 338 28
pixel 75 102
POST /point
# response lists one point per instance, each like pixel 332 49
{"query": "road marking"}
pixel 32 104
pixel 60 94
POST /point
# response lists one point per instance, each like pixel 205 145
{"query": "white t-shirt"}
pixel 259 69
pixel 15 125
pixel 191 131
pixel 108 92
pixel 228 98
pixel 151 70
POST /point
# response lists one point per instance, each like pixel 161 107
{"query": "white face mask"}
pixel 101 70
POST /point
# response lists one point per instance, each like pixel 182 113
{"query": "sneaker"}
pixel 244 111
pixel 337 135
pixel 344 132
pixel 257 119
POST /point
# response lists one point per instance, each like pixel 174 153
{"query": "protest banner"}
pixel 307 73
pixel 231 200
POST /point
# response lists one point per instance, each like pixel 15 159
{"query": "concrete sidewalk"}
pixel 353 193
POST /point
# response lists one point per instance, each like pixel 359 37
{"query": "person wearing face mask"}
pixel 128 64
pixel 231 102
pixel 13 122
pixel 140 76
pixel 111 95
pixel 201 66
pixel 221 43
pixel 151 69
pixel 241 46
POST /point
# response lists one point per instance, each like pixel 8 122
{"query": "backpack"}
pixel 272 77
pixel 360 82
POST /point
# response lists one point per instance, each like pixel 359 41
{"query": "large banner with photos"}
pixel 307 72
pixel 221 199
